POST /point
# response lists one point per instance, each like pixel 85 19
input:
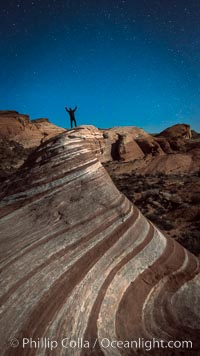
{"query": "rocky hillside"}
pixel 172 151
pixel 170 201
pixel 178 131
pixel 159 173
pixel 79 260
pixel 19 128
pixel 166 185
pixel 19 136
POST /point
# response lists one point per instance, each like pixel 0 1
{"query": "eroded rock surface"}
pixel 123 143
pixel 78 260
pixel 172 151
pixel 19 136
pixel 19 128
pixel 177 131
pixel 12 156
pixel 171 202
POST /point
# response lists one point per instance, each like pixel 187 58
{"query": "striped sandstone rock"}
pixel 79 261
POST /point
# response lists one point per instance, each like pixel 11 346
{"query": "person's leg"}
pixel 71 123
pixel 75 122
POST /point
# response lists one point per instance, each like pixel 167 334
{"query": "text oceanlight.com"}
pixel 104 343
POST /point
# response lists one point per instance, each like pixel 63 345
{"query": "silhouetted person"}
pixel 71 114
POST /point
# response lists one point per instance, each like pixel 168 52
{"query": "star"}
pixel 148 41
pixel 6 12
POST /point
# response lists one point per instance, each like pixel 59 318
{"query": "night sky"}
pixel 122 62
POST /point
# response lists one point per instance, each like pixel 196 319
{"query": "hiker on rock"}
pixel 71 114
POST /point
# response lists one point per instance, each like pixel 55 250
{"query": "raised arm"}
pixel 75 109
pixel 66 109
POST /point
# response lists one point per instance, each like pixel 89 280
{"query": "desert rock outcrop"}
pixel 123 143
pixel 78 260
pixel 19 136
pixel 178 131
pixel 19 128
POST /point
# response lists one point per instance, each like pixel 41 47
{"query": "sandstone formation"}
pixel 164 144
pixel 128 149
pixel 171 201
pixel 150 146
pixel 19 136
pixel 19 128
pixel 12 156
pixel 171 164
pixel 92 135
pixel 123 144
pixel 177 131
pixel 79 261
pixel 120 144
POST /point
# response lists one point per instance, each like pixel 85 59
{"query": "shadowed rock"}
pixel 182 131
pixel 79 261
pixel 19 136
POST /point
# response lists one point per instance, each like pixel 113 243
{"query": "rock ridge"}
pixel 78 260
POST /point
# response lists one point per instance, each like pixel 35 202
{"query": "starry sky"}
pixel 122 62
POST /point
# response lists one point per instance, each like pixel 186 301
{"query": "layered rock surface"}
pixel 79 261
pixel 19 128
pixel 172 151
pixel 19 136
pixel 127 143
pixel 172 202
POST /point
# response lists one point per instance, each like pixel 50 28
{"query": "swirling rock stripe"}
pixel 78 260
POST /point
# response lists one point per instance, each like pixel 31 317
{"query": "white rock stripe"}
pixel 126 275
pixel 73 250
